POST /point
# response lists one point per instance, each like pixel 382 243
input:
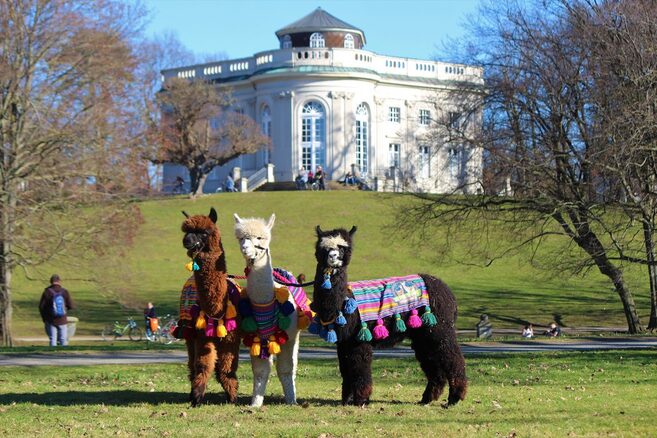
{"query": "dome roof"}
pixel 317 21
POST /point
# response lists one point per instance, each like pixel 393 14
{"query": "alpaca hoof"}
pixel 256 402
pixel 196 397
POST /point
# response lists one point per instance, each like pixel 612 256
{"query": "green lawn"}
pixel 526 395
pixel 511 291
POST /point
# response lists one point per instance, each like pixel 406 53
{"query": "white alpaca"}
pixel 254 237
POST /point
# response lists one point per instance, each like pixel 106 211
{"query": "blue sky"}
pixel 240 28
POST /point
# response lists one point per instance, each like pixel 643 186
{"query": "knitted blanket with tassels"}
pixel 387 296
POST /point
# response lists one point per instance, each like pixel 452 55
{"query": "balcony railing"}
pixel 334 57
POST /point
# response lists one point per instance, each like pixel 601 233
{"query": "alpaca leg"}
pixel 442 361
pixel 226 368
pixel 206 356
pixel 261 369
pixel 360 361
pixel 286 368
pixel 424 353
pixel 345 372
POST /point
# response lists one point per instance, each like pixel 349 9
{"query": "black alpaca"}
pixel 435 347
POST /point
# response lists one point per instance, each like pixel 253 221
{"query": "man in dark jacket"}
pixel 55 321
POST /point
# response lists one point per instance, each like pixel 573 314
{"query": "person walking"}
pixel 319 178
pixel 150 319
pixel 54 306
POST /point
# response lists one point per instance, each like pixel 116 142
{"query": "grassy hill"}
pixel 510 291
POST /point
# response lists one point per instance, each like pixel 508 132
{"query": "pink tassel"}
pixel 231 325
pixel 380 331
pixel 414 321
pixel 210 328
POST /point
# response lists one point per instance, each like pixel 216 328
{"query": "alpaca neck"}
pixel 260 282
pixel 330 302
pixel 211 283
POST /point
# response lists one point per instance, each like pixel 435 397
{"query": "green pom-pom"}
pixel 283 321
pixel 428 318
pixel 249 325
pixel 400 325
pixel 364 335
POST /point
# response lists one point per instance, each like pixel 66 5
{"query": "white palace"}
pixel 325 100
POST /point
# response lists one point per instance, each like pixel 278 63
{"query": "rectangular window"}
pixel 305 129
pixel 454 162
pixel 425 117
pixel 393 155
pixel 394 114
pixel 361 145
pixel 306 161
pixel 454 120
pixel 424 163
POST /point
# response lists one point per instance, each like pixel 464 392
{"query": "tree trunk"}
pixel 589 242
pixel 201 182
pixel 194 177
pixel 6 339
pixel 616 276
pixel 652 271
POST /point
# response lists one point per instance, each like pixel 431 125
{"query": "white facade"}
pixel 343 107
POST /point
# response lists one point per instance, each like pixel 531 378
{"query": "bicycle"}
pixel 164 332
pixel 117 330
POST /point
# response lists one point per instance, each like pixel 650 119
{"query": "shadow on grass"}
pixel 131 397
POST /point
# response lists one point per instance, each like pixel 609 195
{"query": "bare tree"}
pixel 620 39
pixel 546 137
pixel 196 129
pixel 65 68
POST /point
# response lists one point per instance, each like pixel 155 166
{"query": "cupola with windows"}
pixel 320 29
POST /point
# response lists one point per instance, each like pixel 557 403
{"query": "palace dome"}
pixel 320 29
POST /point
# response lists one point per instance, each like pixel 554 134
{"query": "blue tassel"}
pixel 350 306
pixel 327 282
pixel 331 336
pixel 195 266
pixel 314 328
pixel 340 320
pixel 286 308
pixel 323 333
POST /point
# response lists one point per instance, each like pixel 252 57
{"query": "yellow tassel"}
pixel 255 347
pixel 303 322
pixel 274 348
pixel 230 311
pixel 221 329
pixel 200 321
pixel 282 294
pixel 189 266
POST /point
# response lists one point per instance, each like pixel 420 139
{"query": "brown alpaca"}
pixel 206 354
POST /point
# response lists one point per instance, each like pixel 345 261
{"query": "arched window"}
pixel 313 121
pixel 287 42
pixel 316 40
pixel 265 124
pixel 348 41
pixel 362 138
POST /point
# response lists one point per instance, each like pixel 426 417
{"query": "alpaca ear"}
pixel 272 219
pixel 185 213
pixel 238 220
pixel 213 215
pixel 353 230
pixel 318 231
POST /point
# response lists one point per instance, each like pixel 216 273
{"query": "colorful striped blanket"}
pixel 387 296
pixel 189 308
pixel 298 293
